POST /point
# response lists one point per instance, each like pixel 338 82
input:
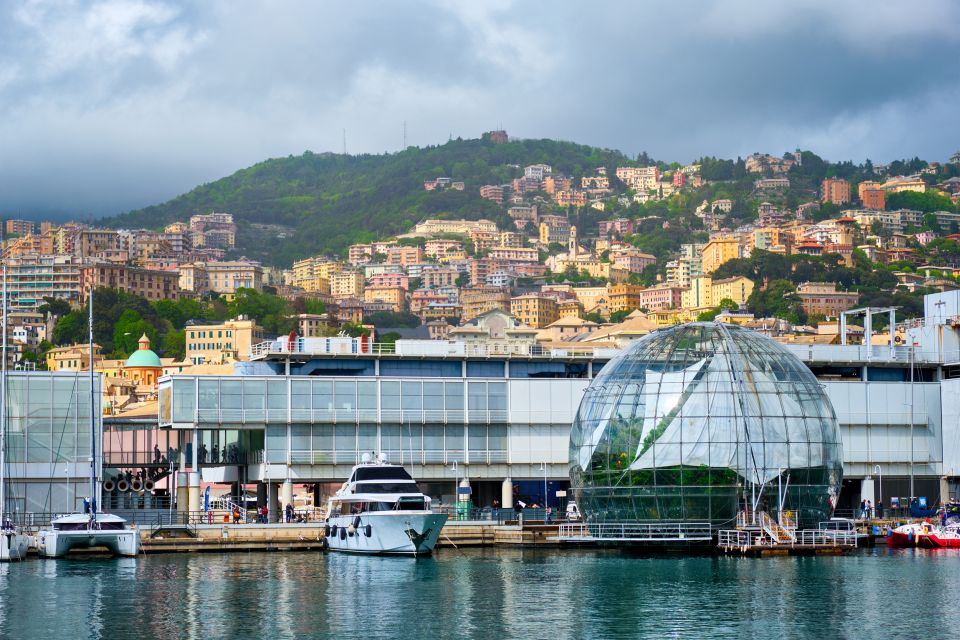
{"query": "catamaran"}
pixel 89 529
pixel 13 542
pixel 380 510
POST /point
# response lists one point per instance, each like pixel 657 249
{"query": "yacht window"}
pixel 382 473
pixel 410 504
pixel 387 487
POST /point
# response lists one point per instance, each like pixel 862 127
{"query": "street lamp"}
pixel 879 471
pixel 546 498
pixel 456 487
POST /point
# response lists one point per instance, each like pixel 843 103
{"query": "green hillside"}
pixel 329 201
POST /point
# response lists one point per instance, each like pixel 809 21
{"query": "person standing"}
pixel 879 510
pixel 289 512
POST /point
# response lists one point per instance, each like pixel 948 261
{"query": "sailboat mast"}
pixel 93 407
pixel 3 404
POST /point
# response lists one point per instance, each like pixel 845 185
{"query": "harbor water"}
pixel 488 593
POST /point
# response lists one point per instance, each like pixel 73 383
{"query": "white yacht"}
pixel 81 531
pixel 380 509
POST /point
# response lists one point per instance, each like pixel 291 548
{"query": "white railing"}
pixel 636 532
pixel 738 538
pixel 342 346
pixel 729 538
pixel 404 456
pixel 863 353
pixel 219 415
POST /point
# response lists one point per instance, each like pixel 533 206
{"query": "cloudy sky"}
pixel 107 105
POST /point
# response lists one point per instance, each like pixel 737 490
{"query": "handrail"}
pixel 342 346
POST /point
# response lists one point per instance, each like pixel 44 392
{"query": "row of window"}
pixel 203 334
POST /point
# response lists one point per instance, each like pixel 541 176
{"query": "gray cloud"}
pixel 111 104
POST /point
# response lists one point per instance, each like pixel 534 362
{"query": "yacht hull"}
pixel 402 533
pixel 121 542
pixel 13 546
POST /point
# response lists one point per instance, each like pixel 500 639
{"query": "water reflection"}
pixel 480 594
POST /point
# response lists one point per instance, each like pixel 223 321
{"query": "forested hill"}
pixel 329 201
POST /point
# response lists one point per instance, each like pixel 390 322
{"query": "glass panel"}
pixel 497 396
pixel 454 396
pixel 411 396
pixel 276 444
pixel 389 396
pixel 477 399
pixel 322 395
pixel 367 438
pixel 322 438
pixel 346 395
pixel 299 437
pixel 367 395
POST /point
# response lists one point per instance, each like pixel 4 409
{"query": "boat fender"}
pixel 343 534
pixel 356 522
pixel 351 530
pixel 326 531
pixel 368 530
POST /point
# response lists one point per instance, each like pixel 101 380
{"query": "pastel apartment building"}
pixel 835 190
pixel 216 343
pixel 717 251
pixel 535 310
pixel 347 284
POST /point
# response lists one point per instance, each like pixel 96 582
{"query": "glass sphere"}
pixel 697 422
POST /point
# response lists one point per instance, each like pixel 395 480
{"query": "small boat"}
pixel 83 531
pixel 380 510
pixel 945 537
pixel 914 534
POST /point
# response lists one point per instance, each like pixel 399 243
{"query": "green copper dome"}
pixel 144 356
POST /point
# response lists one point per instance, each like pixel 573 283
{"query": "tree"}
pixel 175 344
pixel 269 311
pixel 928 201
pixel 620 316
pixel 778 300
pixel 71 328
pixel 130 326
pixel 56 307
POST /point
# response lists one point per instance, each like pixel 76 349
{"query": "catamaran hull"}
pixel 13 546
pixel 56 544
pixel 385 533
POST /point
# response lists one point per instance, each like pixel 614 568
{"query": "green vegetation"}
pixel 121 318
pixel 333 200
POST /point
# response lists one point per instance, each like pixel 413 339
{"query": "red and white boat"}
pixel 945 538
pixel 915 534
